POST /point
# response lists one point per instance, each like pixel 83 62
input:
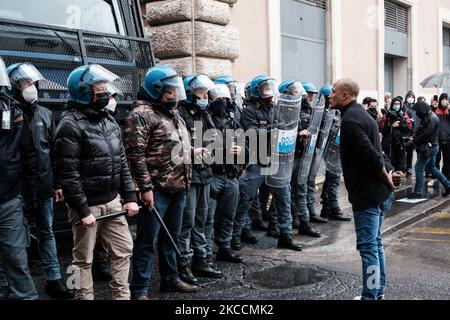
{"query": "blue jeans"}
pixel 192 240
pixel 46 241
pixel 14 240
pixel 302 195
pixel 423 162
pixel 368 224
pixel 248 190
pixel 222 209
pixel 170 207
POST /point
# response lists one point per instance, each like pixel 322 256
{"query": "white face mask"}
pixel 111 105
pixel 410 100
pixel 30 94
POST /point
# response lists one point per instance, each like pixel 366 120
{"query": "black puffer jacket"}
pixel 37 146
pixel 10 159
pixel 90 159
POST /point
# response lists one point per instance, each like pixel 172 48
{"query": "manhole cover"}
pixel 288 276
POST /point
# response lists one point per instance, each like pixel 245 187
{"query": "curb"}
pixel 419 212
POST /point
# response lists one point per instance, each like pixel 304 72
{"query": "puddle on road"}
pixel 288 276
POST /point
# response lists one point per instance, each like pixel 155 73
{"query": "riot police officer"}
pixel 257 117
pixel 39 190
pixel 14 238
pixel 192 239
pixel 159 153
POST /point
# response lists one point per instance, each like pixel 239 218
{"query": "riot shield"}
pixel 314 129
pixel 322 141
pixel 284 133
pixel 332 154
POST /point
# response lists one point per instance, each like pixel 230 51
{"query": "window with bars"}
pixel 396 16
pixel 318 3
pixel 446 35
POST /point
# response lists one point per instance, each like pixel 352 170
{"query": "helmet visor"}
pixel 267 88
pixel 201 82
pixel 25 72
pixel 96 73
pixel 173 88
pixel 232 86
pixel 4 79
pixel 220 91
pixel 296 89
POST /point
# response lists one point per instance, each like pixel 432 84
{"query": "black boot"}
pixel 258 224
pixel 316 219
pixel 100 272
pixel 248 237
pixel 273 231
pixel 227 255
pixel 186 275
pixel 306 229
pixel 211 262
pixel 325 212
pixel 236 243
pixel 58 290
pixel 201 268
pixel 286 242
pixel 338 215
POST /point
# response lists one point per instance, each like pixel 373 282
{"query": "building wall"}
pixel 250 17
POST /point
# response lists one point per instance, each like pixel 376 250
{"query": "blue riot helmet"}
pixel 311 90
pixel 231 83
pixel 197 88
pixel 164 81
pixel 82 80
pixel 326 90
pixel 309 87
pixel 4 79
pixel 220 98
pixel 292 87
pixel 263 87
pixel 24 77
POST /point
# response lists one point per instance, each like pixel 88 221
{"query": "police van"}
pixel 58 36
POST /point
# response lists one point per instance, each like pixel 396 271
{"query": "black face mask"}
pixel 219 106
pixel 171 105
pixel 102 100
pixel 373 110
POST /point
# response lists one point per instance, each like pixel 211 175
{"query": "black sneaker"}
pixel 416 196
pixel 446 193
pixel 58 290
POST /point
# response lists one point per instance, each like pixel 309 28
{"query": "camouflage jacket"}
pixel 158 148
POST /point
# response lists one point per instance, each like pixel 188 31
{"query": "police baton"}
pixel 163 225
pixel 108 216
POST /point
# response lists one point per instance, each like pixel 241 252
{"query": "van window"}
pixel 93 15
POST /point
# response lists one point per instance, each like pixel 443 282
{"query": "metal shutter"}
pixel 318 3
pixel 396 16
pixel 446 35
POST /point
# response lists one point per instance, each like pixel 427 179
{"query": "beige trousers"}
pixel 116 237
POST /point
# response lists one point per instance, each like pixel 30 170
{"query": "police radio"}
pixel 5 116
